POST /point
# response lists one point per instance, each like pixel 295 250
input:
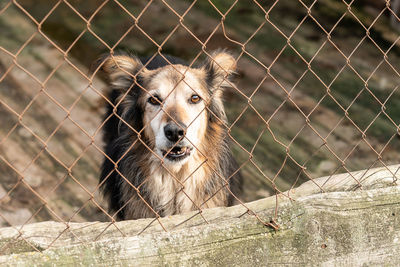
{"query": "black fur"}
pixel 118 138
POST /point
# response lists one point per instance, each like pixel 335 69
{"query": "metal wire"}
pixel 247 53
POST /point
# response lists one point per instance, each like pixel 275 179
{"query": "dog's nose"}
pixel 174 132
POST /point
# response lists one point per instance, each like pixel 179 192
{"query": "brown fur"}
pixel 146 183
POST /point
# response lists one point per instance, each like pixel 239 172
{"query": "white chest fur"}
pixel 176 192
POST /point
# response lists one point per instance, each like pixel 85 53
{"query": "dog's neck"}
pixel 185 183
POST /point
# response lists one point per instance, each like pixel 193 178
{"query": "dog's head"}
pixel 176 103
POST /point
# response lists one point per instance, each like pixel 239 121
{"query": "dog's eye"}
pixel 154 100
pixel 195 99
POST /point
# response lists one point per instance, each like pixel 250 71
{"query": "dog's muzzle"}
pixel 177 153
pixel 175 134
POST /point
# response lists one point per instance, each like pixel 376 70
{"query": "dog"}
pixel 165 135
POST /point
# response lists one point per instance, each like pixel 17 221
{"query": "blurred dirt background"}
pixel 49 111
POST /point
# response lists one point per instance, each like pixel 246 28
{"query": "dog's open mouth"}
pixel 177 153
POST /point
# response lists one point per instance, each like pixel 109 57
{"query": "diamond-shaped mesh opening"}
pixel 56 24
pixel 256 123
pixel 70 151
pixel 382 83
pixel 314 92
pixel 67 86
pixel 34 59
pixel 288 59
pixel 85 50
pixel 380 132
pixel 37 9
pixel 363 110
pixel 308 30
pixel 325 15
pixel 137 8
pixel 251 76
pixel 347 135
pixel 101 23
pixel 268 44
pixel 377 32
pixel 8 124
pixel 365 67
pixel 192 30
pixel 345 41
pixel 388 153
pixel 38 119
pixel 245 12
pixel 31 147
pixel 14 35
pixel 76 205
pixel 317 157
pixel 278 167
pixel 185 39
pixel 167 20
pixel 15 210
pixel 6 65
pixel 287 26
pixel 267 91
pixel 86 123
pixel 217 8
pixel 347 88
pixel 356 156
pixel 16 95
pixel 392 108
pixel 328 63
pixel 391 56
pixel 87 8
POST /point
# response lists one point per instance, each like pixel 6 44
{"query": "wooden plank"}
pixel 334 228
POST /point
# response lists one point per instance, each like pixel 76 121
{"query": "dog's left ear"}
pixel 121 70
pixel 219 69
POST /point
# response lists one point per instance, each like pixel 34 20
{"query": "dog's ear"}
pixel 120 70
pixel 219 69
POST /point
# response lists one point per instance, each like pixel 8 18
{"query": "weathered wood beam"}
pixel 338 227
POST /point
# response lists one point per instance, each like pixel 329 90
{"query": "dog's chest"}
pixel 171 194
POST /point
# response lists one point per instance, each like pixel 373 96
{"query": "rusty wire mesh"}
pixel 317 93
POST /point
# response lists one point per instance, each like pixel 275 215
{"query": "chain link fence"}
pixel 316 94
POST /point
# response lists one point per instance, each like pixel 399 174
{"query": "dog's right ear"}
pixel 120 70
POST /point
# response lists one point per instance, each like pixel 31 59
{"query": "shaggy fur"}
pixel 138 177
